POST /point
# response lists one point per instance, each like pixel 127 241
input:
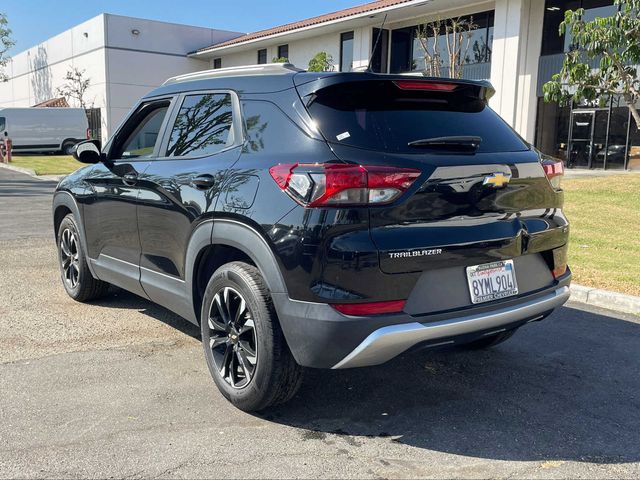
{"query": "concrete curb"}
pixel 618 302
pixel 32 173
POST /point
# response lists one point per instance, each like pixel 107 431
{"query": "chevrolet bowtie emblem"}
pixel 497 180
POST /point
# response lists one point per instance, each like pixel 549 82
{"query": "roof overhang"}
pixel 395 14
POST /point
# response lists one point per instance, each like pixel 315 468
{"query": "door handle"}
pixel 203 182
pixel 130 178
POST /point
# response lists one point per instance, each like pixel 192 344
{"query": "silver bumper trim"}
pixel 387 342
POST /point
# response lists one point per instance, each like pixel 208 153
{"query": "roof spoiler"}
pixel 308 83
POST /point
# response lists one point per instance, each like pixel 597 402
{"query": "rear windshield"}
pixel 378 115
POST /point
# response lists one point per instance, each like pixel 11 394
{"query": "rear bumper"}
pixel 387 342
pixel 320 337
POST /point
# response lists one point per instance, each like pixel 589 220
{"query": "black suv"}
pixel 327 220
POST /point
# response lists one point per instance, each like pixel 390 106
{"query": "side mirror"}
pixel 88 151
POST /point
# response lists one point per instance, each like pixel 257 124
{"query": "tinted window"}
pixel 3 124
pixel 262 56
pixel 346 52
pixel 380 54
pixel 283 51
pixel 202 127
pixel 145 130
pixel 379 116
pixel 217 63
pixel 552 41
pixel 476 43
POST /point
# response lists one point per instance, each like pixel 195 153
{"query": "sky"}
pixel 33 21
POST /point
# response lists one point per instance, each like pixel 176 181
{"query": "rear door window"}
pixel 377 115
pixel 202 126
pixel 3 124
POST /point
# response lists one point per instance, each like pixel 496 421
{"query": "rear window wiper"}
pixel 466 142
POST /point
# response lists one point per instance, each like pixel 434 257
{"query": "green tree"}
pixel 280 60
pixel 321 62
pixel 6 42
pixel 613 42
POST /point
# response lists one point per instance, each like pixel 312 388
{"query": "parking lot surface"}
pixel 120 388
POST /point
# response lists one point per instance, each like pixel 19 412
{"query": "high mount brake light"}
pixel 370 308
pixel 338 185
pixel 554 170
pixel 425 85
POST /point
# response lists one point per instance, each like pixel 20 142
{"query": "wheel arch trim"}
pixel 238 235
pixel 66 199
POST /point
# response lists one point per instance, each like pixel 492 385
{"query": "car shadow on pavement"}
pixel 121 299
pixel 567 388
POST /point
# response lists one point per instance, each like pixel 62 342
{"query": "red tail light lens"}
pixel 559 271
pixel 425 85
pixel 336 185
pixel 554 170
pixel 371 308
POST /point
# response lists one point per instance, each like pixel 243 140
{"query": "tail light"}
pixel 554 170
pixel 338 185
pixel 370 308
pixel 559 271
pixel 88 134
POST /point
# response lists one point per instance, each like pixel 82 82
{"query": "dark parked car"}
pixel 327 220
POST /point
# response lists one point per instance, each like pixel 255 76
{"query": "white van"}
pixel 44 129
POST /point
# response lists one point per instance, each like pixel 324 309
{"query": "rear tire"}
pixel 244 346
pixel 74 271
pixel 490 340
pixel 67 147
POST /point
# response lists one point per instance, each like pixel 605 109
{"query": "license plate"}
pixel 492 281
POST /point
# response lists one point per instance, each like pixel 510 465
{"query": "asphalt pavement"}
pixel 119 388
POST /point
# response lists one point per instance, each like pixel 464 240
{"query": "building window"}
pixel 479 46
pixel 262 56
pixel 283 51
pixel 585 136
pixel 407 53
pixel 552 41
pixel 401 50
pixel 217 63
pixel 346 51
pixel 380 50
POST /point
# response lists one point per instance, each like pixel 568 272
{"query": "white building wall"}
pixel 514 65
pixel 36 73
pixel 300 51
pixel 121 64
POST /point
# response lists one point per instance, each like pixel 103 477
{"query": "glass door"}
pixel 581 138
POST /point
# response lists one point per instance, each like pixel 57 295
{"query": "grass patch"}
pixel 604 245
pixel 47 164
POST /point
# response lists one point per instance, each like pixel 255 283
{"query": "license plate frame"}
pixel 494 281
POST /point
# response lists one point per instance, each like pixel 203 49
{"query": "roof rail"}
pixel 262 69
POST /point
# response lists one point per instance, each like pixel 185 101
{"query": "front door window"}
pixel 139 136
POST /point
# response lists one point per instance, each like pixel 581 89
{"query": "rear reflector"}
pixel 425 85
pixel 559 271
pixel 372 308
pixel 339 185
